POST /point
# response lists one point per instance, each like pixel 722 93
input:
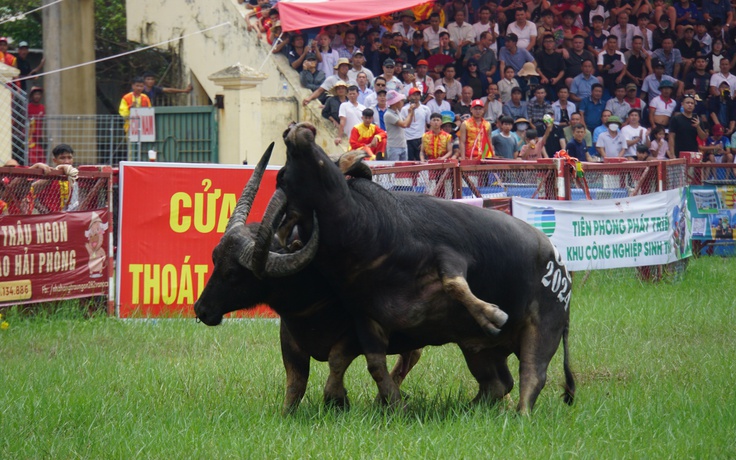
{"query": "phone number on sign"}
pixel 15 290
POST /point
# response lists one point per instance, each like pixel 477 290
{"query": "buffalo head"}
pixel 239 267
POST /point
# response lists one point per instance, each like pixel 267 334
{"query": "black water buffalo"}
pixel 313 323
pixel 410 266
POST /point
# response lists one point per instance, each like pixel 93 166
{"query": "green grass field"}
pixel 654 363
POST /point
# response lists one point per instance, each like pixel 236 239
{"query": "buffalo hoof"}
pixel 337 403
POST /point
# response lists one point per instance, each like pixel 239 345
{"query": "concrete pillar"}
pixel 7 73
pixel 69 39
pixel 240 119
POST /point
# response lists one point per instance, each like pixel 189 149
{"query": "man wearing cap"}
pixel 512 55
pixel 392 83
pixel 662 106
pixel 651 84
pixel 396 148
pixel 483 55
pixel 5 57
pixel 419 123
pixel 24 65
pixel 416 51
pixel 310 77
pixel 611 143
pixel 405 28
pixel 724 75
pixel 438 103
pixel 475 135
pixel 436 143
pixel 689 48
pixel 358 67
pixel 634 101
pixel 342 66
pixel 424 81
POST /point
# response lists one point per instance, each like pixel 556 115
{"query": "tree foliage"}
pixel 113 76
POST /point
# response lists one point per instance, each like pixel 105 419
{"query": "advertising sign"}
pixel 142 124
pixel 171 218
pixel 650 229
pixel 713 210
pixel 53 256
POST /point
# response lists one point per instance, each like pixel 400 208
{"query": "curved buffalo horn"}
pixel 242 208
pixel 273 214
pixel 279 265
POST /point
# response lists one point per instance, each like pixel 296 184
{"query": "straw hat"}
pixel 528 70
pixel 339 84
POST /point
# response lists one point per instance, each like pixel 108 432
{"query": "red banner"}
pixel 54 256
pixel 171 218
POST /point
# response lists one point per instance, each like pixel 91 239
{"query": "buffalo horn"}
pixel 242 208
pixel 279 265
pixel 273 214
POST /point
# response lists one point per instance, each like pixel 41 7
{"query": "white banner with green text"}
pixel 652 229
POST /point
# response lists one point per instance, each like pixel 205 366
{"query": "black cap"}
pixel 310 57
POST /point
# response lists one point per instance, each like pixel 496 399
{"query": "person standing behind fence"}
pixel 36 112
pixel 57 195
pixel 153 92
pixel 134 99
pixel 396 149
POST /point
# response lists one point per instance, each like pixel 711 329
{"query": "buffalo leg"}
pixel 296 364
pixel 339 360
pixel 490 369
pixel 374 341
pixel 538 346
pixel 404 364
pixel 452 269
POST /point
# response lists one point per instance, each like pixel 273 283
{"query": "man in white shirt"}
pixel 486 24
pixel 611 143
pixel 357 61
pixel 418 126
pixel 634 133
pixel 624 31
pixel 462 33
pixel 432 33
pixel 724 75
pixel 525 30
pixel 351 114
pixel 405 27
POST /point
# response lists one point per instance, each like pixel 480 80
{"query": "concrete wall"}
pixel 155 21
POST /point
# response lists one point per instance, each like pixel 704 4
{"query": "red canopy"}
pixel 305 14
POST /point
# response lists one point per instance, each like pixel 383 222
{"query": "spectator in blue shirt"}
pixel 582 85
pixel 592 107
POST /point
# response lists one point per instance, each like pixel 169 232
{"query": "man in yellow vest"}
pixel 134 99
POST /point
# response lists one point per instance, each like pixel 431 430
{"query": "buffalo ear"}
pixel 351 164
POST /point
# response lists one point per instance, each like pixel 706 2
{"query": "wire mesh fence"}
pixel 436 179
pixel 25 191
pixel 96 139
pixel 501 179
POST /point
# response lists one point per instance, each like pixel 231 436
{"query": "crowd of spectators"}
pixel 631 79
